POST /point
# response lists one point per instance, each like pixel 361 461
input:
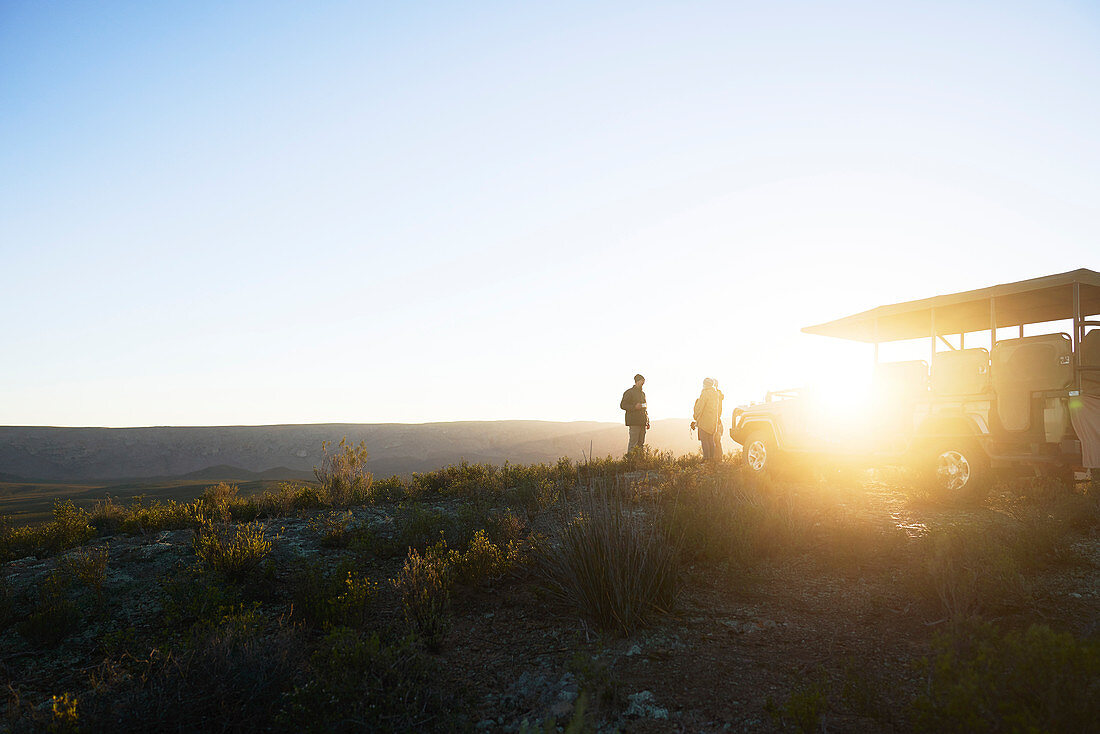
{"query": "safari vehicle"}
pixel 968 410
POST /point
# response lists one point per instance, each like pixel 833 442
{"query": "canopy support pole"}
pixel 1078 334
pixel 876 342
pixel 962 340
pixel 932 358
pixel 992 323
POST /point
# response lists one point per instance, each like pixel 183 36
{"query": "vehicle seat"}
pixel 894 380
pixel 961 372
pixel 897 388
pixel 1089 353
pixel 1024 366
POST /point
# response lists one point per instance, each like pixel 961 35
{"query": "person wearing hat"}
pixel 707 413
pixel 637 417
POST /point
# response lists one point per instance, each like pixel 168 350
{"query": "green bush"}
pixel 613 564
pixel 143 518
pixel 54 617
pixel 357 682
pixel 804 707
pixel 391 489
pixel 236 552
pixel 979 680
pixel 340 599
pixel 219 500
pixel 192 598
pixel 424 587
pixel 106 516
pixel 89 568
pixel 335 529
pixel 70 527
pixel 343 474
pixel 483 562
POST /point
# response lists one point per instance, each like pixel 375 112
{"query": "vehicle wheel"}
pixel 758 454
pixel 958 472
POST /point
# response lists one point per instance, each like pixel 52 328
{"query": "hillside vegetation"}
pixel 647 593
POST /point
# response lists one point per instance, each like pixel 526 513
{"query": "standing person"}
pixel 637 417
pixel 707 413
pixel 718 432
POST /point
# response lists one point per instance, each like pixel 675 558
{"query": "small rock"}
pixel 634 650
pixel 641 706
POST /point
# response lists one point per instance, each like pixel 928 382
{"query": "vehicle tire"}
pixel 758 453
pixel 958 472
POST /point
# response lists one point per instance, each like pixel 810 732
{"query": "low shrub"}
pixel 192 597
pixel 804 707
pixel 357 682
pixel 53 617
pixel 532 497
pixel 613 564
pixel 288 498
pixel 236 552
pixel 219 500
pixel 107 516
pixel 980 680
pixel 7 604
pixel 712 517
pixel 142 518
pixel 88 567
pixel 231 676
pixel 391 489
pixel 326 600
pixel 424 588
pixel 343 474
pixel 69 528
pixel 422 527
pixel 335 529
pixel 483 562
pixel 63 713
pixel 969 571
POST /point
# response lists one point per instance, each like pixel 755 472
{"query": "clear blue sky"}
pixel 299 212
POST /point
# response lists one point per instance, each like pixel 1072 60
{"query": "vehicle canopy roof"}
pixel 1049 298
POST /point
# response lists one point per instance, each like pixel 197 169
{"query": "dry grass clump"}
pixel 969 571
pixel 850 543
pixel 613 563
pixel 715 518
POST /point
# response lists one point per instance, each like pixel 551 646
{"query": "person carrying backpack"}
pixel 707 416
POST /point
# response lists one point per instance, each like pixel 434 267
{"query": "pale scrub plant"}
pixel 343 474
pixel 613 563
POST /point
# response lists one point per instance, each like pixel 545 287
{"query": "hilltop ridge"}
pixel 292 450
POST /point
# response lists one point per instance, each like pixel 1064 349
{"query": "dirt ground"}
pixel 798 642
pixel 736 649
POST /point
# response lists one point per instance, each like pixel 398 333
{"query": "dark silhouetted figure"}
pixel 637 417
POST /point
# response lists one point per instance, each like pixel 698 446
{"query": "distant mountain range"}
pixel 291 451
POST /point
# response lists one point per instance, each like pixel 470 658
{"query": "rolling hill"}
pixel 291 451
